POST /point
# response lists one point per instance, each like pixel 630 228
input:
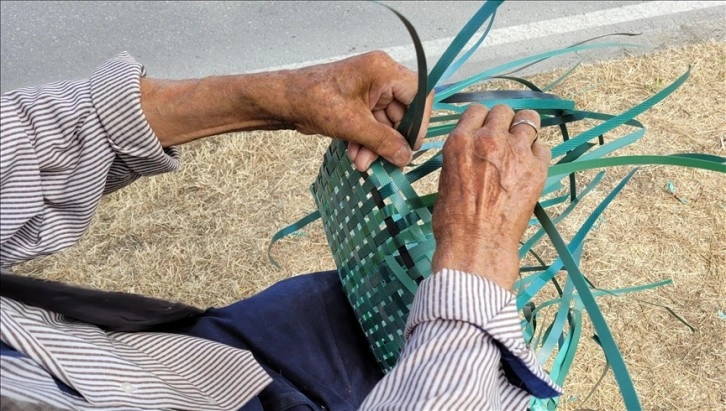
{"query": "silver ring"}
pixel 529 123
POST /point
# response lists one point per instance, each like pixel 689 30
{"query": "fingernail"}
pixel 403 156
pixel 367 164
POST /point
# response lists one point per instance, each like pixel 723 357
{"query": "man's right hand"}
pixel 491 178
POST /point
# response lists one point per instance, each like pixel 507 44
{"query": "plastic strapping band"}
pixel 609 346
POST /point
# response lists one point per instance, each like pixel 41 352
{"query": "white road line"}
pixel 539 29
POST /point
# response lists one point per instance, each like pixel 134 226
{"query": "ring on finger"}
pixel 529 123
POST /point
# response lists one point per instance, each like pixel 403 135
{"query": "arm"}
pixel 360 100
pixel 65 144
pixel 464 345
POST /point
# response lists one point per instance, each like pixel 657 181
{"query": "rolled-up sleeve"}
pixel 63 146
pixel 464 350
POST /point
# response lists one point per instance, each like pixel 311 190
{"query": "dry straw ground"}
pixel 200 235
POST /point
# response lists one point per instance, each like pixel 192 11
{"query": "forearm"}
pixel 360 100
pixel 180 111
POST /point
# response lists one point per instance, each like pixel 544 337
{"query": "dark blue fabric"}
pixel 304 333
pixel 10 351
pixel 519 375
pixel 6 350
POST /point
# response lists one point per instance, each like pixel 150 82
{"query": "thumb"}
pixel 381 139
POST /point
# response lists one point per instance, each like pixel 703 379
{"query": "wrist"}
pixel 304 97
pixel 498 263
pixel 261 100
pixel 180 111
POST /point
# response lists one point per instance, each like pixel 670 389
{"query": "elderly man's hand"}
pixel 362 100
pixel 491 178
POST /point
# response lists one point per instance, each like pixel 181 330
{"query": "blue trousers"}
pixel 303 332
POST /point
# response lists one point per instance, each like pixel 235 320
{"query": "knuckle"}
pixel 486 144
pixel 477 108
pixel 542 152
pixel 529 113
pixel 547 156
pixel 503 107
pixel 456 143
pixel 490 132
pixel 377 57
pixel 457 134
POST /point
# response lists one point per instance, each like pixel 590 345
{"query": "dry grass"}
pixel 200 235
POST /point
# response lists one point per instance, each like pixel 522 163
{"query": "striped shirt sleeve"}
pixel 64 145
pixel 118 370
pixel 464 351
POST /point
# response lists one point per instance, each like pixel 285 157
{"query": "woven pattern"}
pixel 381 239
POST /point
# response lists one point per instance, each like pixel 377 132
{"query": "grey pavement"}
pixel 48 41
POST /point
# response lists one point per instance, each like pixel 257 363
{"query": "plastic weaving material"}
pixel 382 253
pixel 379 228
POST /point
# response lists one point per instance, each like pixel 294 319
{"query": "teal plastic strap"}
pixel 616 121
pixel 411 123
pixel 296 226
pixel 520 62
pixel 574 45
pixel 466 33
pixel 714 163
pixel 457 64
pixel 610 348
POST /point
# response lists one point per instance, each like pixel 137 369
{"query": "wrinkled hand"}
pixel 490 181
pixel 362 100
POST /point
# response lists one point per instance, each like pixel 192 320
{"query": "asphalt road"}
pixel 48 41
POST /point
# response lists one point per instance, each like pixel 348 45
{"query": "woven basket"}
pixel 379 230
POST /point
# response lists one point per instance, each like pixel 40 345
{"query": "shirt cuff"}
pixel 116 96
pixel 459 296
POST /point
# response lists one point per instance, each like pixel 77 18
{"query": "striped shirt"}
pixel 63 146
pixel 66 144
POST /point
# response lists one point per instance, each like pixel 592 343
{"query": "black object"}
pixel 113 311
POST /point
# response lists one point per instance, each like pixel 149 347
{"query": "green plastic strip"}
pixel 713 163
pixel 459 42
pixel 456 65
pixel 610 348
pixel 296 226
pixel 520 62
pixel 575 45
pixel 410 125
pixel 535 238
pixel 562 78
pixel 575 244
pixel 558 325
pixel 616 121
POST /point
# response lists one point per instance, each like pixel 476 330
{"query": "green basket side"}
pixel 382 247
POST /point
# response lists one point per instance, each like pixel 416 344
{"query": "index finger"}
pixel 425 121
